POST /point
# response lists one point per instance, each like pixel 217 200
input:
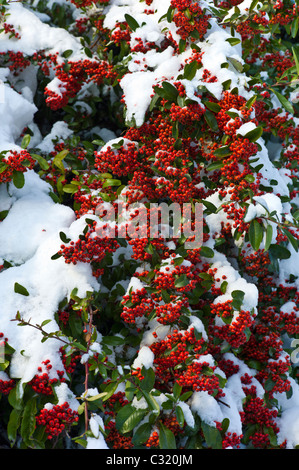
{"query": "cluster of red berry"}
pixel 14 162
pixel 56 419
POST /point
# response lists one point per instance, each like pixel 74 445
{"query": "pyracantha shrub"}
pixel 149 224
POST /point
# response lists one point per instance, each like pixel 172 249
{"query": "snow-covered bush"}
pixel 115 333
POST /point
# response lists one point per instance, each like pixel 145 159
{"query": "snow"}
pixel 189 418
pixel 59 133
pixel 138 86
pixel 206 407
pixel 29 245
pixel 16 112
pixel 289 427
pixel 98 441
pixel 243 8
pixel 144 358
pixel 235 395
pixel 198 325
pixel 245 128
pixel 288 267
pixel 64 394
pixel 37 35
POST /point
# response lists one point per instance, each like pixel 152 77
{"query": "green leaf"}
pixel 182 45
pixel 212 436
pixel 250 178
pixel 18 179
pixel 180 416
pixel 20 289
pixel 177 390
pixel 226 84
pixel 45 322
pixel 111 182
pixel 56 256
pixel 4 214
pixel 254 134
pixel 238 297
pixel 238 294
pixel 54 197
pixel 186 395
pixel 15 399
pixel 170 90
pixel 41 161
pixel 279 252
pixel 182 281
pixel 147 384
pixel 128 418
pixel 211 120
pixel 251 101
pixel 67 53
pixel 296 215
pixel 63 237
pixel 253 5
pixel 88 52
pixel 269 235
pixel 129 391
pixel 57 160
pixel 232 114
pixel 142 434
pixel 296 58
pixel 284 101
pixel 165 296
pixel 166 438
pixel 215 107
pixel 210 206
pixel 206 252
pixel 70 188
pixel 154 101
pixel 215 166
pixel 13 425
pixel 113 340
pixel 131 22
pixel 109 390
pixel 25 141
pixel 152 403
pixel 28 419
pixel 236 64
pixel 233 41
pixel 225 424
pixel 3 365
pixel 255 234
pixel 293 241
pixel 3 167
pixel 223 151
pixel 223 286
pixel 294 27
pixel 190 70
pixel 170 14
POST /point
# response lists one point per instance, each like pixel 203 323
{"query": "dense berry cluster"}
pixel 71 77
pixel 186 12
pixel 42 383
pixel 56 419
pixel 14 162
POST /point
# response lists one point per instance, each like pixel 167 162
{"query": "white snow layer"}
pixel 29 236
